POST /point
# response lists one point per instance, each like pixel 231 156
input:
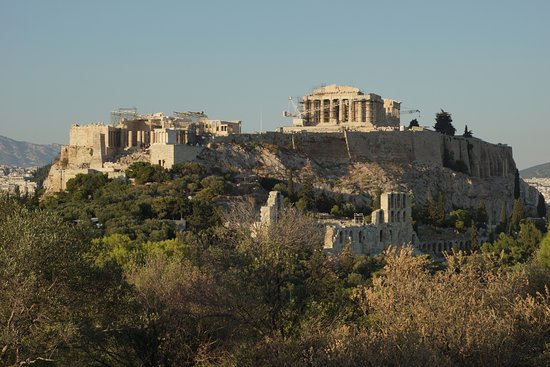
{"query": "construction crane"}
pixel 405 112
pixel 293 110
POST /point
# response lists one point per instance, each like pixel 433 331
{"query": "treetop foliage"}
pixel 413 123
pixel 259 295
pixel 467 133
pixel 443 123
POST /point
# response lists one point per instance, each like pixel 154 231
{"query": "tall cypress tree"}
pixel 541 206
pixel 503 222
pixel 440 216
pixel 517 215
pixel 481 215
pixel 474 237
pixel 290 185
pixel 516 185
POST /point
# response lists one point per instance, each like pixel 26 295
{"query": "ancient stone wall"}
pixel 166 155
pixel 80 157
pixel 481 158
pixel 390 226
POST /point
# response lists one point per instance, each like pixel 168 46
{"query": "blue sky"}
pixel 486 62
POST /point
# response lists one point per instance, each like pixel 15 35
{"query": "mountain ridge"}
pixel 538 171
pixel 25 154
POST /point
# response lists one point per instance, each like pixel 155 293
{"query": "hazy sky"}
pixel 486 62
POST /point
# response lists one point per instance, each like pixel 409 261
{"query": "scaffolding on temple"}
pixel 125 113
pixel 190 116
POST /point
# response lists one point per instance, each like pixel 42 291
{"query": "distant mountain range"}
pixel 539 171
pixel 23 154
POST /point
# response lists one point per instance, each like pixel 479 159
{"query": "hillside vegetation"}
pixel 131 288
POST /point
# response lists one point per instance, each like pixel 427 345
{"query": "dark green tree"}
pixel 83 186
pixel 517 192
pixel 467 133
pixel 543 253
pixel 324 203
pixel 463 219
pixel 413 123
pixel 290 185
pixel 375 199
pixel 541 206
pixel 503 221
pixel 186 169
pixel 517 215
pixel 528 240
pixel 144 172
pixel 481 215
pixel 56 307
pixel 474 237
pixel 443 123
pixel 40 175
pixel 512 251
pixel 435 210
pixel 306 195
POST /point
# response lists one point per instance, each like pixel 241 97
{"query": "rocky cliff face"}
pixel 358 164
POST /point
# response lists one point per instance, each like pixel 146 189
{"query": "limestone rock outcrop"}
pixel 357 164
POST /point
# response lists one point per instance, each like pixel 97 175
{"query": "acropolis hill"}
pixel 351 142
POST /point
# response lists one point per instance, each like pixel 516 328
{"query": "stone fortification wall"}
pixel 81 157
pixel 395 146
pixel 57 178
pixel 482 159
pixel 323 147
pixel 274 138
pixel 85 135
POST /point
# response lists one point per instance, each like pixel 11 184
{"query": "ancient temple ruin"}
pixel 333 106
pixel 164 140
pixel 391 225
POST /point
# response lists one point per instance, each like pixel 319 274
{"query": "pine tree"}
pixel 443 123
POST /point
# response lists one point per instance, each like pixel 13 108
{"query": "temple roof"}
pixel 336 89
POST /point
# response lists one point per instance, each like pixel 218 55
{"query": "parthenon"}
pixel 347 107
